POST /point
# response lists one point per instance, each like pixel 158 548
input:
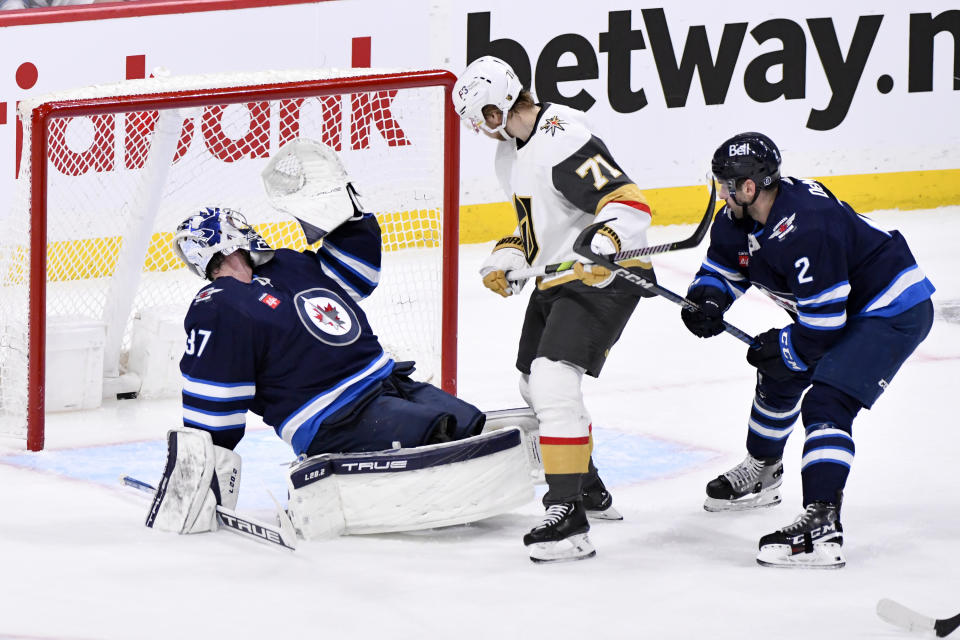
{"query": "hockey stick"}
pixel 905 618
pixel 285 536
pixel 582 246
pixel 686 243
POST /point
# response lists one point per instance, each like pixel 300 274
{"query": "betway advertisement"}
pixel 843 88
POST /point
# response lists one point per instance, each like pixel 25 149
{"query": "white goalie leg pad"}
pixel 410 489
pixel 436 485
pixel 526 420
pixel 555 395
pixel 196 473
pixel 314 505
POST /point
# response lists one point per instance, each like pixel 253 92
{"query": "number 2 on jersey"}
pixel 531 247
pixel 803 264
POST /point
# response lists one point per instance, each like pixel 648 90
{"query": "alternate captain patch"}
pixel 327 317
pixel 269 300
pixel 552 125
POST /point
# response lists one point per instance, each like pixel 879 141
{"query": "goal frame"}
pixel 44 113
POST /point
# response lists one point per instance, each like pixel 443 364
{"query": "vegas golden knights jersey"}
pixel 563 178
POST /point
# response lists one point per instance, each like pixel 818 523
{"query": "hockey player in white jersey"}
pixel 560 178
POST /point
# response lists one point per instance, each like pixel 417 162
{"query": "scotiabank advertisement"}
pixel 844 89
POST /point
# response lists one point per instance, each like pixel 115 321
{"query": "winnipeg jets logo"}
pixel 552 125
pixel 327 317
pixel 265 282
pixel 783 227
pixel 205 295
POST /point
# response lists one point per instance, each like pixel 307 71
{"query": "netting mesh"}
pixel 119 183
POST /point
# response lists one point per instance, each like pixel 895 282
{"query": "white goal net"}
pixel 108 172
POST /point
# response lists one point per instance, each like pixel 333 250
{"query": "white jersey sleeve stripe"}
pixel 218 390
pixel 824 321
pixel 365 271
pixel 210 420
pixel 357 296
pixel 833 294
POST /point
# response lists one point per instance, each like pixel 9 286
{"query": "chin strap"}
pixel 746 206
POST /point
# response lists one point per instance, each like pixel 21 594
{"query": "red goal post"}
pixel 116 167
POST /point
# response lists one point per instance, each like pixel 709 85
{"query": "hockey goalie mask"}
pixel 486 80
pixel 214 230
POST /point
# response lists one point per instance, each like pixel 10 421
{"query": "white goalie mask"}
pixel 486 80
pixel 214 230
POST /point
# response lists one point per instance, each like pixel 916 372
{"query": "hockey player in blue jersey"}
pixel 280 333
pixel 860 305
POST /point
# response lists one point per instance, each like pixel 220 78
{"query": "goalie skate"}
pixel 752 484
pixel 561 536
pixel 813 541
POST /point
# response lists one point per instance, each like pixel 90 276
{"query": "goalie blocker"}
pixel 409 489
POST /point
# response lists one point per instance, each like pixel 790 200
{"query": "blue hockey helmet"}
pixel 214 230
pixel 747 155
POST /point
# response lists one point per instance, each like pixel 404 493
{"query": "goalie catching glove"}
pixel 198 476
pixel 306 179
pixel 507 255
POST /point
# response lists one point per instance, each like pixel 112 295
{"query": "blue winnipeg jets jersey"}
pixel 818 259
pixel 293 346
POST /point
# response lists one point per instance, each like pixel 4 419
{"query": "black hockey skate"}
pixel 813 541
pixel 561 536
pixel 752 484
pixel 598 502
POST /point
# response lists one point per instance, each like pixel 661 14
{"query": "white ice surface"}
pixel 669 412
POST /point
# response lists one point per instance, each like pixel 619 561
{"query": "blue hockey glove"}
pixel 708 320
pixel 765 356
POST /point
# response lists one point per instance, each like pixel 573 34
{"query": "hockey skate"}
pixel 752 484
pixel 598 502
pixel 561 536
pixel 813 541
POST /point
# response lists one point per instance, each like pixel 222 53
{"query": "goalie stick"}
pixel 284 536
pixel 686 243
pixel 582 246
pixel 908 619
